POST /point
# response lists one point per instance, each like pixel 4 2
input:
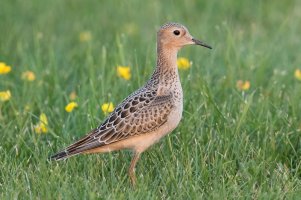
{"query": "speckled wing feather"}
pixel 140 113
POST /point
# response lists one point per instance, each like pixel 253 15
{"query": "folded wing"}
pixel 141 113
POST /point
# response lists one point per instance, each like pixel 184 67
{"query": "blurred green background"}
pixel 230 144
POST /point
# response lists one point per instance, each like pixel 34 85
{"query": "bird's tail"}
pixel 73 150
pixel 84 144
pixel 69 151
pixel 61 155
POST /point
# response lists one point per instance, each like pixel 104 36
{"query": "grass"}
pixel 229 144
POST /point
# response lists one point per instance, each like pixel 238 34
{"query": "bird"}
pixel 149 113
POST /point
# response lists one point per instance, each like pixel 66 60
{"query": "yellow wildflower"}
pixel 28 76
pixel 70 106
pixel 5 95
pixel 124 72
pixel 298 74
pixel 4 69
pixel 183 63
pixel 42 126
pixel 72 95
pixel 43 119
pixel 85 36
pixel 107 107
pixel 243 85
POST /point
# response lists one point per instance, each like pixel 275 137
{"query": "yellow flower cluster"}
pixel 28 76
pixel 4 69
pixel 70 106
pixel 5 95
pixel 298 74
pixel 42 126
pixel 124 72
pixel 183 63
pixel 107 108
pixel 243 85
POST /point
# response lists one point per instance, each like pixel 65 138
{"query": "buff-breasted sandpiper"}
pixel 149 113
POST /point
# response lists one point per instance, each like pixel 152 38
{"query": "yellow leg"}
pixel 132 168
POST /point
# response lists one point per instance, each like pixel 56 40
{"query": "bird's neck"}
pixel 166 72
pixel 166 58
pixel 166 63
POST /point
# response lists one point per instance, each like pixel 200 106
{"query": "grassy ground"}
pixel 229 145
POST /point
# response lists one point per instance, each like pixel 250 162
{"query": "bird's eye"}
pixel 176 32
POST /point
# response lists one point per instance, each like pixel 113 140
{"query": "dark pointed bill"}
pixel 198 42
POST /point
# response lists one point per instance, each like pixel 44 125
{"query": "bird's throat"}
pixel 167 59
pixel 166 70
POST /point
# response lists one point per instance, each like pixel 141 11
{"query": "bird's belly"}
pixel 174 118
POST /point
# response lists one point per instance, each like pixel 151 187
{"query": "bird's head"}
pixel 174 35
